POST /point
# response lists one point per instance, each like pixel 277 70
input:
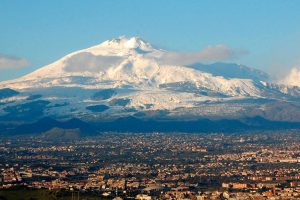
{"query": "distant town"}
pixel 254 165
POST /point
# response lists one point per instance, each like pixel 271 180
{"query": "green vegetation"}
pixel 24 193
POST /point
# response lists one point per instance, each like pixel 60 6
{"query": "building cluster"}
pixel 263 165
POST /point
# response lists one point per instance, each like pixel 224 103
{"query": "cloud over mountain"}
pixel 90 62
pixel 12 62
pixel 211 53
pixel 293 77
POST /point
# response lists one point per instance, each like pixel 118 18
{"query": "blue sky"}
pixel 36 33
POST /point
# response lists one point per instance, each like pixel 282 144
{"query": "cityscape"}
pixel 255 165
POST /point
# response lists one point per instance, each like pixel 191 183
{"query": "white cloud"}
pixel 89 62
pixel 12 62
pixel 211 53
pixel 292 78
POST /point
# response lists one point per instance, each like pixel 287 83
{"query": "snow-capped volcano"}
pixel 126 62
pixel 128 76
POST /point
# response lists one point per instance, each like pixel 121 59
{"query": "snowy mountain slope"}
pixel 125 61
pixel 125 76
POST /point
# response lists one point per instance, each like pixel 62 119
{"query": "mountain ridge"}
pixel 132 124
pixel 126 77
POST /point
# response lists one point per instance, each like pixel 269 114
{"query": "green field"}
pixel 23 193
